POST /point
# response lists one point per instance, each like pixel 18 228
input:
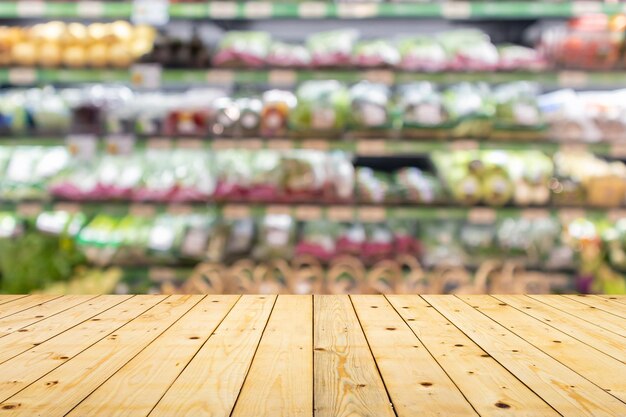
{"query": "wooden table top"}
pixel 262 355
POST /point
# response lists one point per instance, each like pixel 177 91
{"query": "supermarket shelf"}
pixel 362 147
pixel 288 78
pixel 367 213
pixel 313 10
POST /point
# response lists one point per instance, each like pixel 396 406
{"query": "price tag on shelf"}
pixel 253 144
pixel 581 8
pixel 161 274
pixel 22 76
pixel 308 213
pixel 379 76
pixel 282 78
pixel 90 9
pixel 119 144
pixel 456 9
pixel 142 210
pixel 82 146
pixel 146 75
pixel 190 143
pixel 573 79
pixel 257 9
pixel 616 215
pixel 463 145
pixel 482 215
pixel 569 215
pixel 357 10
pixel 28 8
pixel 179 209
pixel 221 144
pixel 223 9
pixel 340 214
pixel 280 144
pixel 29 209
pixel 312 9
pixel 618 150
pixel 220 77
pixel 315 144
pixel 533 214
pixel 159 143
pixel 573 147
pixel 236 211
pixel 151 12
pixel 371 147
pixel 278 210
pixel 372 214
pixel 68 207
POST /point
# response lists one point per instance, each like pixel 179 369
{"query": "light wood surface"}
pixel 291 356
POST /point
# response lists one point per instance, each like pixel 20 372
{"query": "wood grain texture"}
pixel 24 303
pixel 210 384
pixel 601 304
pixel 617 298
pixel 280 380
pixel 59 391
pixel 148 375
pixel 597 337
pixel 566 391
pixel 490 388
pixel 585 312
pixel 6 298
pixel 35 334
pixel 346 379
pixel 604 371
pixel 416 383
pixel 33 315
pixel 30 365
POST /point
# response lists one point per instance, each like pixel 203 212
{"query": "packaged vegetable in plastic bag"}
pixel 304 174
pixel 318 240
pixel 373 186
pixel 517 114
pixel 471 107
pixel 322 108
pixel 287 55
pixel 277 105
pixel 370 110
pixel 469 50
pixel 423 111
pixel 333 48
pixel 242 49
pixel 276 238
pixel 421 53
pixel 416 186
pixel 517 57
pixel 375 54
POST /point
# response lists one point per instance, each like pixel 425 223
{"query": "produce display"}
pixel 75 45
pixel 325 108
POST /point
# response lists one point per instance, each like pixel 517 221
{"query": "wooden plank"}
pixel 30 336
pixel 148 375
pixel 567 392
pixel 618 298
pixel 34 363
pixel 595 316
pixel 416 383
pixel 597 337
pixel 33 315
pixel 59 391
pixel 210 384
pixel 601 369
pixel 24 303
pixel 346 380
pixel 490 388
pixel 280 381
pixel 603 304
pixel 7 298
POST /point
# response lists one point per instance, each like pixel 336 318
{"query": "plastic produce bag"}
pixel 333 48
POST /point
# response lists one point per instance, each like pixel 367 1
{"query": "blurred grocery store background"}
pixel 329 147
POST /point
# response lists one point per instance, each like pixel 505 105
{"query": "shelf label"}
pixel 569 215
pixel 315 144
pixel 146 75
pixel 312 10
pixel 617 214
pixel 357 10
pixel 22 76
pixel 151 12
pixel 161 274
pixel 236 212
pixel 533 214
pixel 257 9
pixel 220 77
pixel 340 214
pixel 253 144
pixel 142 210
pixel 28 8
pixel 120 144
pixel 371 147
pixel 90 9
pixel 379 76
pixel 179 209
pixel 482 215
pixel 282 78
pixel 82 146
pixel 618 150
pixel 278 210
pixel 159 143
pixel 29 209
pixel 574 147
pixel 464 145
pixel 190 143
pixel 280 144
pixel 573 79
pixel 223 9
pixel 68 207
pixel 372 214
pixel 308 213
pixel 456 10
